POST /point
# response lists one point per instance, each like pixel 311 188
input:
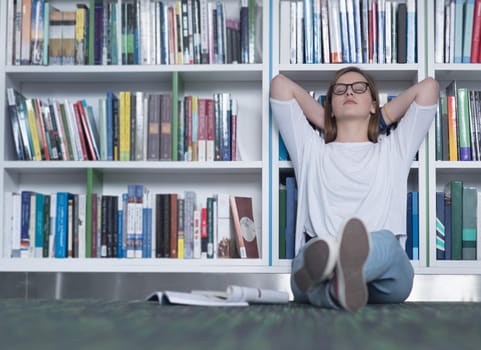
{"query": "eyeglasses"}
pixel 358 87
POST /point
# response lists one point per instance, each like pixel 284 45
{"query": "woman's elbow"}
pixel 279 88
pixel 429 92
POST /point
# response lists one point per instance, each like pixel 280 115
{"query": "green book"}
pixel 94 184
pixel 176 90
pixel 282 221
pixel 464 130
pixel 470 199
pixel 456 188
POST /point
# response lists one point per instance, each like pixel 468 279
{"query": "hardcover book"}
pixel 243 218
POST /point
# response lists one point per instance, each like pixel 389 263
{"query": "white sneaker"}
pixel 350 288
pixel 320 255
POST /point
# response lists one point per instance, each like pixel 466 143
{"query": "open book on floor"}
pixel 233 296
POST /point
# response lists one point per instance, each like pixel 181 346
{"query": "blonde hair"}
pixel 330 124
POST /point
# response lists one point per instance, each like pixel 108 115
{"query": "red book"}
pixel 244 225
pixel 87 130
pixel 81 134
pixel 210 130
pixel 476 39
pixel 173 225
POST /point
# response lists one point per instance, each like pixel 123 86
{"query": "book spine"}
pixel 456 189
pixel 463 116
pixel 469 233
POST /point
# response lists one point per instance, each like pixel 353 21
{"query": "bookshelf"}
pixel 256 175
pixel 440 172
pixel 248 83
pixel 392 78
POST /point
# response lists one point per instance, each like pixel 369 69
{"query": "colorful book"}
pixel 244 225
pixel 440 227
pixel 469 225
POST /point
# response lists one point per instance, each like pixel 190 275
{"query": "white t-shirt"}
pixel 338 180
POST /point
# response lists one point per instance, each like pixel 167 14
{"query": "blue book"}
pixel 25 223
pixel 447 226
pixel 309 42
pixel 147 247
pixel 39 217
pixel 120 226
pixel 226 127
pixel 458 31
pixel 283 154
pixel 110 124
pixel 61 225
pixel 411 31
pixel 291 213
pixel 440 227
pixel 415 220
pixel 468 30
pixel 409 226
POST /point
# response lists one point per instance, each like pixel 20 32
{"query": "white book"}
pixel 233 296
pixel 452 25
pixel 365 31
pixel 293 32
pixel 197 234
pixel 326 48
pixel 412 32
pixel 388 32
pixel 335 32
pixel 74 132
pixel 394 31
pixel 139 127
pixel 225 232
pixel 439 32
pixel 211 25
pixel 140 194
pixel 11 32
pixel 346 51
pixel 299 32
pixel 351 23
pixel 284 32
pixel 18 33
pixel 381 23
pixel 10 245
pixel 145 32
pixel 204 32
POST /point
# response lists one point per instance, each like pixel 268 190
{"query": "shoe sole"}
pixel 314 266
pixel 353 253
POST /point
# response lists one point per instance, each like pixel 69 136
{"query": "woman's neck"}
pixel 352 131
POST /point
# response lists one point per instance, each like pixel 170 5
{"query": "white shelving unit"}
pixel 391 78
pixel 256 175
pixel 248 83
pixel 441 172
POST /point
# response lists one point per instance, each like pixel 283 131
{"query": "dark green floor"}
pixel 92 324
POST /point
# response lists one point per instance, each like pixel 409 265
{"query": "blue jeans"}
pixel 388 274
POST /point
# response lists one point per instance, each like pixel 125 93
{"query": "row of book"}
pixel 458 124
pixel 347 31
pixel 458 222
pixel 134 224
pixel 458 31
pixel 135 32
pixel 288 212
pixel 129 126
